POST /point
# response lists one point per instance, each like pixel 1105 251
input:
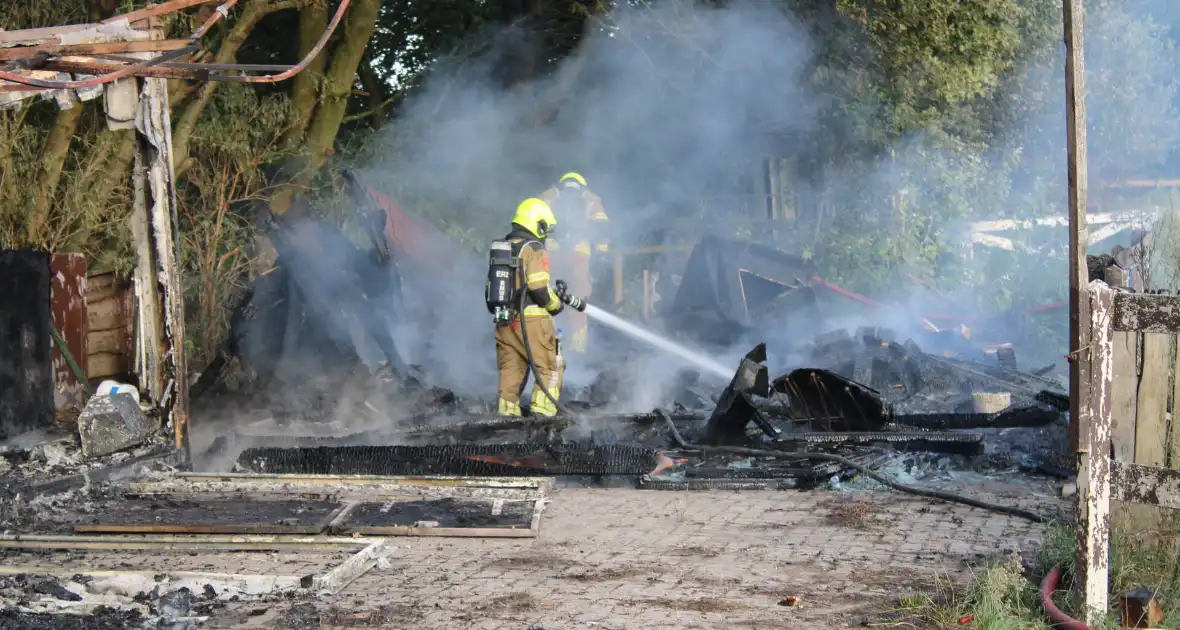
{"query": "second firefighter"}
pixel 523 304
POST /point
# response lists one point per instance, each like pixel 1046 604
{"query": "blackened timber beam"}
pixel 161 364
pixel 1139 312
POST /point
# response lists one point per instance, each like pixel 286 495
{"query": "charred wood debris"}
pixel 875 401
pixel 809 427
pixel 878 401
pixel 865 396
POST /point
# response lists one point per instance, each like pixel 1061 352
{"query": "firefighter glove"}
pixel 574 302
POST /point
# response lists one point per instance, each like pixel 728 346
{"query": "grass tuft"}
pixel 1004 594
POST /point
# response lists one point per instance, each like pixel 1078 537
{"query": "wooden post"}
pixel 1124 396
pixel 1092 569
pixel 159 288
pixel 1094 461
pixel 618 276
pixel 647 294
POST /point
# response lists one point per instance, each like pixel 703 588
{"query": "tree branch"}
pixel 182 131
pixel 333 105
pixel 377 109
pixel 53 156
pixel 313 21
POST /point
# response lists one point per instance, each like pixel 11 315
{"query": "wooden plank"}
pixel 105 364
pixel 111 342
pixel 1093 499
pixel 1151 421
pixel 439 481
pixel 105 315
pixel 1173 437
pixel 618 277
pixel 103 48
pixel 1145 485
pixel 1124 407
pixel 174 542
pixel 154 10
pixel 75 65
pixel 1154 389
pixel 1146 313
pixel 1124 397
pixel 445 532
pixel 102 286
pixel 154 124
pixel 48 33
pixel 355 566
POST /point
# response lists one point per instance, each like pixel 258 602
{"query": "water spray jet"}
pixel 704 363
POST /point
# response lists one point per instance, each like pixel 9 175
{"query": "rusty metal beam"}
pixel 1140 312
pixel 1149 485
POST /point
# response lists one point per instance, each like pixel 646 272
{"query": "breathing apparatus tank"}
pixel 500 289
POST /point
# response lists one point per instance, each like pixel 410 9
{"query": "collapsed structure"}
pixel 845 403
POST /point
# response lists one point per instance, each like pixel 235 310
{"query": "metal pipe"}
pixel 100 80
pixel 293 70
pixel 218 13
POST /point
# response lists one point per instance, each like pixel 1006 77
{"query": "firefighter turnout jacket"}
pixel 512 357
pixel 584 216
pixel 585 231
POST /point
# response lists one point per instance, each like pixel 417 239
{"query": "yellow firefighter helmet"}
pixel 572 177
pixel 535 216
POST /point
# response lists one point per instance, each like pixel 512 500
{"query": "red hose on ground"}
pixel 1059 619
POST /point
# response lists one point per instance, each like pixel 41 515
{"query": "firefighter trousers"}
pixel 514 367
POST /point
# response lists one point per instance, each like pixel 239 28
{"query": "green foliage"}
pixel 1003 597
pixel 240 130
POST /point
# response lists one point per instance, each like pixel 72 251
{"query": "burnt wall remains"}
pixel 26 352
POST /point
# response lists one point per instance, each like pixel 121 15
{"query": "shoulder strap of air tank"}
pixel 527 243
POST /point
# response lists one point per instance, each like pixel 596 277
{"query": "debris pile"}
pixel 863 396
pixel 114 601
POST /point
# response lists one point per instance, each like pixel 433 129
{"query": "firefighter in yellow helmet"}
pixel 586 226
pixel 518 271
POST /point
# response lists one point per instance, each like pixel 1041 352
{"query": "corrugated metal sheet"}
pixel 67 307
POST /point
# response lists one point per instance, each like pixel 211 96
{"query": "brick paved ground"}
pixel 644 559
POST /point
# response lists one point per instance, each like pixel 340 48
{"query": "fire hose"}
pixel 802 455
pixel 1059 619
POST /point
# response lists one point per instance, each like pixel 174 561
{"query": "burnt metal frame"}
pixel 1100 477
